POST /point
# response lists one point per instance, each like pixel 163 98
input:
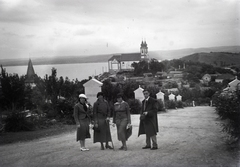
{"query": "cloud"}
pixel 55 27
pixel 83 32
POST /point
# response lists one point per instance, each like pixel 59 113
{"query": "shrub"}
pixel 135 106
pixel 179 104
pixel 18 122
pixel 170 104
pixel 160 104
pixel 228 108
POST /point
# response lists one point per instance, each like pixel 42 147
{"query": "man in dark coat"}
pixel 149 121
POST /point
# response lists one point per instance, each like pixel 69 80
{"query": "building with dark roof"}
pixel 121 62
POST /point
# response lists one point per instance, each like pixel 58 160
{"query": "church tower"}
pixel 30 74
pixel 144 50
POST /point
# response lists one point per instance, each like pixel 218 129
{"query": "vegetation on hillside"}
pixel 217 59
pixel 228 108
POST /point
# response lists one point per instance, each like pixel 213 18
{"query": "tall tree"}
pixel 12 91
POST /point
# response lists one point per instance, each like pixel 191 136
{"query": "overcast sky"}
pixel 35 28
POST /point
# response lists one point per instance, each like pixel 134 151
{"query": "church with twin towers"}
pixel 123 62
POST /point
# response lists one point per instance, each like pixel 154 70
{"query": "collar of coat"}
pixel 147 98
pixel 120 102
pixel 98 101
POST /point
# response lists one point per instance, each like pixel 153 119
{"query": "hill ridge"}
pixel 159 54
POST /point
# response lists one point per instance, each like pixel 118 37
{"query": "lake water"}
pixel 72 71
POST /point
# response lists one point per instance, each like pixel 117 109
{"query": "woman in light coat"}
pixel 122 118
pixel 82 118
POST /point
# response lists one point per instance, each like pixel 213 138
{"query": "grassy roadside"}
pixel 14 137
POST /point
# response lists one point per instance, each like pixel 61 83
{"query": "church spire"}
pixel 30 73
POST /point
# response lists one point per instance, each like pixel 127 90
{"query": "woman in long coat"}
pixel 101 116
pixel 122 118
pixel 82 118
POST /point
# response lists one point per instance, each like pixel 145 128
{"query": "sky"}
pixel 45 28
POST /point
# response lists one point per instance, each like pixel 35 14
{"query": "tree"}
pixel 129 87
pixel 110 90
pixel 155 66
pixel 52 90
pixel 13 88
pixel 140 67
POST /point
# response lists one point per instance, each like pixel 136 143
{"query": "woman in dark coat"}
pixel 82 119
pixel 122 118
pixel 101 116
pixel 149 121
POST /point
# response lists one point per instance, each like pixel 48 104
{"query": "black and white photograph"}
pixel 120 83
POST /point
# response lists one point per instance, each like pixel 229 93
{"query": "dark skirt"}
pixel 103 133
pixel 83 131
pixel 122 129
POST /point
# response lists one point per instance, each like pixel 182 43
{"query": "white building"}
pixel 139 94
pixel 124 61
pixel 92 87
pixel 171 97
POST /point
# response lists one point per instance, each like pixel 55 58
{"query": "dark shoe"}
pixel 102 148
pixel 109 147
pixel 146 147
pixel 121 148
pixel 154 148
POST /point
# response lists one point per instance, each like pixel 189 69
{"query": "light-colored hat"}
pixel 83 96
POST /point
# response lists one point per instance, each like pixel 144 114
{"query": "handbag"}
pixel 128 132
pixel 142 117
pixel 96 128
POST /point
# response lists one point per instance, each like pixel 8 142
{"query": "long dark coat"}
pixel 101 111
pixel 149 125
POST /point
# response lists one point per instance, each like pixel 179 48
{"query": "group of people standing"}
pixel 98 117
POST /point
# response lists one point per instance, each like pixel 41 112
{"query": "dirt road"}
pixel 188 137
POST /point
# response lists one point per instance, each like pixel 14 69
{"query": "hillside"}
pixel 176 54
pixel 159 54
pixel 218 59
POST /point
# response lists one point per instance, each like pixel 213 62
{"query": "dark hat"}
pixel 145 90
pixel 99 94
pixel 119 95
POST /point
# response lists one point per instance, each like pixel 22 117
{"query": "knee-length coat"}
pixel 82 117
pixel 149 125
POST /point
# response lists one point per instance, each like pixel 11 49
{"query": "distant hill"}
pixel 176 54
pixel 159 55
pixel 220 59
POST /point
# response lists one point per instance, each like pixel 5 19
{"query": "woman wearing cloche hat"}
pixel 82 119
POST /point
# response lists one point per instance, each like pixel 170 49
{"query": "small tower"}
pixel 144 50
pixel 30 74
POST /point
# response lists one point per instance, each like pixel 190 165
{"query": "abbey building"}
pixel 120 62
